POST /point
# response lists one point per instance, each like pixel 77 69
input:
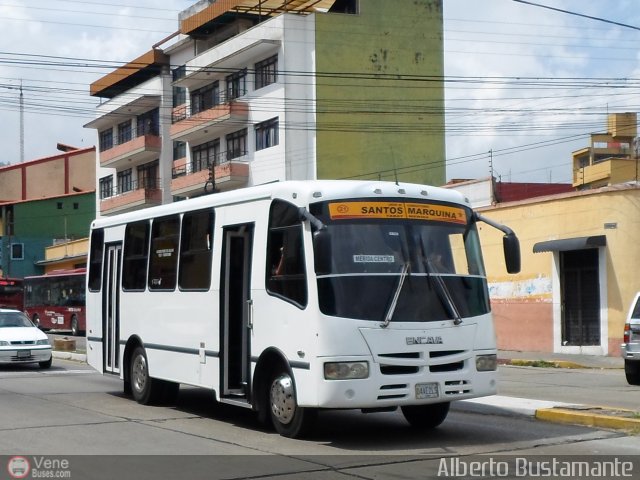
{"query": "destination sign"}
pixel 410 211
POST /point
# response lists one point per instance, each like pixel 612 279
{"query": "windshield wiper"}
pixel 396 296
pixel 443 292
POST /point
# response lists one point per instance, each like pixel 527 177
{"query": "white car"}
pixel 631 345
pixel 21 341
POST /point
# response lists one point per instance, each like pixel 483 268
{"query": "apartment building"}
pixel 255 91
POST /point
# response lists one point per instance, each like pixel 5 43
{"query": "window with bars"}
pixel 106 187
pixel 236 84
pixel 149 123
pixel 266 72
pixel 124 132
pixel 267 134
pixel 125 183
pixel 205 155
pixel 106 139
pixel 237 144
pixel 148 175
pixel 205 98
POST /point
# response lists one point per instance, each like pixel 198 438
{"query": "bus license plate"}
pixel 24 353
pixel 426 390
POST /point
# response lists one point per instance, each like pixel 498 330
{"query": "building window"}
pixel 17 251
pixel 179 150
pixel 148 123
pixel 205 155
pixel 106 139
pixel 237 144
pixel 148 175
pixel 179 96
pixel 267 134
pixel 124 132
pixel 267 72
pixel 205 98
pixel 106 187
pixel 236 84
pixel 125 183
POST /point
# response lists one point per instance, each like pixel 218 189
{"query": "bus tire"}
pixel 632 371
pixel 74 326
pixel 426 416
pixel 287 417
pixel 145 390
pixel 36 320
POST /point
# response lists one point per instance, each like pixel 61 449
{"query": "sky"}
pixel 524 85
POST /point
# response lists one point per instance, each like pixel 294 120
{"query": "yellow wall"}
pixel 76 250
pixel 559 217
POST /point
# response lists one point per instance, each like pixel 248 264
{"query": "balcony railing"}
pixel 130 186
pixel 204 164
pixel 183 112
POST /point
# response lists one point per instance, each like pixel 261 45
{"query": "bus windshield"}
pixel 433 267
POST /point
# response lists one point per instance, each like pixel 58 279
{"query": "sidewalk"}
pixel 560 412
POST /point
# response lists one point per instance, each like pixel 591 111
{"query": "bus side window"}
pixel 196 246
pixel 136 252
pixel 285 270
pixel 95 260
pixel 163 264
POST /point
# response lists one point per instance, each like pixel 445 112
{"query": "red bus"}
pixel 57 300
pixel 11 293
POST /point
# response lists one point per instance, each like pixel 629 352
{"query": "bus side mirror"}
pixel 511 247
pixel 322 251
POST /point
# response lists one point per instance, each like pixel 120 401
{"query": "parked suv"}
pixel 631 345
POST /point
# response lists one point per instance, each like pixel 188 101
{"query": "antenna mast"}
pixel 21 124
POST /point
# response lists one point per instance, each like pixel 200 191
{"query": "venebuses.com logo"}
pixel 18 467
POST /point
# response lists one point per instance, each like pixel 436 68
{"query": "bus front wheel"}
pixel 145 390
pixel 36 320
pixel 426 416
pixel 289 419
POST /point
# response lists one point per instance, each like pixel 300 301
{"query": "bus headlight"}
pixel 346 370
pixel 487 363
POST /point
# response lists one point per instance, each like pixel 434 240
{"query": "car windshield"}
pixel 14 319
pixel 440 260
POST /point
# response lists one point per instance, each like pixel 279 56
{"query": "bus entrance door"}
pixel 237 310
pixel 111 309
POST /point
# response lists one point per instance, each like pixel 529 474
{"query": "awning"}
pixel 577 243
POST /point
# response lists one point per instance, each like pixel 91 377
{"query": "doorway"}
pixel 111 308
pixel 580 297
pixel 236 310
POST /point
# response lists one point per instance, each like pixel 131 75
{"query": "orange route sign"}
pixel 390 210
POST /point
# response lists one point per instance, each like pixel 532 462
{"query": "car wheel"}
pixel 74 326
pixel 426 416
pixel 46 363
pixel 289 419
pixel 632 371
pixel 145 390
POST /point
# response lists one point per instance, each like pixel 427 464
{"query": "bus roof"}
pixel 300 192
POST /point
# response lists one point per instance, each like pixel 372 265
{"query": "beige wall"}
pixel 10 184
pixel 526 305
pixel 45 179
pixel 82 171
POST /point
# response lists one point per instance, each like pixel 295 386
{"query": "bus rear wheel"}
pixel 145 390
pixel 289 419
pixel 426 416
pixel 36 320
pixel 632 371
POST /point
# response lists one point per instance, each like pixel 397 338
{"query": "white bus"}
pixel 293 297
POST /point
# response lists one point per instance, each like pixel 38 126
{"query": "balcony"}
pixel 606 172
pixel 189 179
pixel 192 127
pixel 133 196
pixel 139 149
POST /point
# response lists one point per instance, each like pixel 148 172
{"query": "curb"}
pixel 78 357
pixel 557 412
pixel 589 416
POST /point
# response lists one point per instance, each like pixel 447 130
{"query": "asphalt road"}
pixel 70 411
